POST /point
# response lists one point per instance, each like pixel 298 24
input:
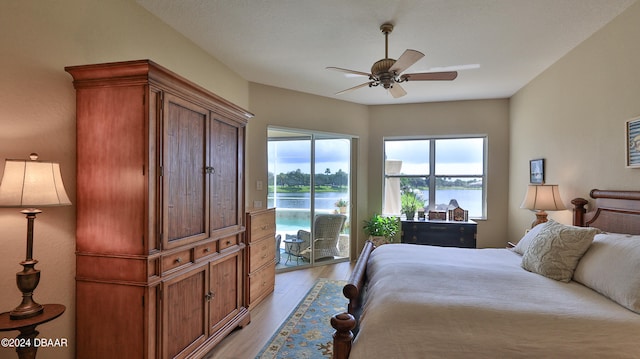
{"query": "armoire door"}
pixel 226 179
pixel 185 171
pixel 225 290
pixel 184 311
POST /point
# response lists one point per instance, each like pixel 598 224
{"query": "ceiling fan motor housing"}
pixel 380 70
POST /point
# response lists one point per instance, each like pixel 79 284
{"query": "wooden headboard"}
pixel 614 211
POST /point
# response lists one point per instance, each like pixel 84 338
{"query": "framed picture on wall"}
pixel 633 143
pixel 536 171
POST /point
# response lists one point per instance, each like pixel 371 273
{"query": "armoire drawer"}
pixel 204 250
pixel 175 260
pixel 227 242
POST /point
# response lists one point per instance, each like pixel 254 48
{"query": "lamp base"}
pixel 26 310
pixel 27 281
pixel 541 217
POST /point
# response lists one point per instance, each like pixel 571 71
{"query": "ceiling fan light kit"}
pixel 387 72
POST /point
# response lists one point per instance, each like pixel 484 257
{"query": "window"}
pixel 436 170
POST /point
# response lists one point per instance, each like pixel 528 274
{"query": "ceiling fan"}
pixel 388 72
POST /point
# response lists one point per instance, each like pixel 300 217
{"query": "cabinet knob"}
pixel 178 260
pixel 207 250
pixel 209 170
pixel 228 242
pixel 209 296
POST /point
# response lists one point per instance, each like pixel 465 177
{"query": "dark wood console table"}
pixel 440 233
pixel 25 341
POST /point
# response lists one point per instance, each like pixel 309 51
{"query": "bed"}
pixel 563 291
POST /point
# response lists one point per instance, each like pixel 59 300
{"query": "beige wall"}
pixel 573 116
pixel 290 109
pixel 37 102
pixel 483 117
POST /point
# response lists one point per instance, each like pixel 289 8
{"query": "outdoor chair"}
pixel 326 229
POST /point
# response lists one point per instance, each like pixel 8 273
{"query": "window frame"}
pixel 431 175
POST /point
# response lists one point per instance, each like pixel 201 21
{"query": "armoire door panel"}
pixel 184 308
pixel 224 287
pixel 186 198
pixel 224 181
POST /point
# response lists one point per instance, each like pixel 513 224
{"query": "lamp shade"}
pixel 543 197
pixel 32 184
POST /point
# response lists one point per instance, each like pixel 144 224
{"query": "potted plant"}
pixel 410 202
pixel 381 229
pixel 342 206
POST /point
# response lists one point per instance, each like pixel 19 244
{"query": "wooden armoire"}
pixel 160 214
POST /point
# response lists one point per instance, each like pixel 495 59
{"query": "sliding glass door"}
pixel 312 211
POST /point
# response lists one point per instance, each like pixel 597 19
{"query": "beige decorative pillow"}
pixel 525 241
pixel 555 251
pixel 611 267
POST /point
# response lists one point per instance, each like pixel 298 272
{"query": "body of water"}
pixel 324 200
pixel 470 200
pixel 293 210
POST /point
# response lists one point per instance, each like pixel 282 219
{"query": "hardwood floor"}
pixel 267 316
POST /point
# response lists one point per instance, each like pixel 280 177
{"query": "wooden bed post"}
pixel 343 323
pixel 579 211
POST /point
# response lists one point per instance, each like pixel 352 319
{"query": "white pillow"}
pixel 611 267
pixel 524 242
pixel 555 251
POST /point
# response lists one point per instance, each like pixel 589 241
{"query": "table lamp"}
pixel 29 184
pixel 541 198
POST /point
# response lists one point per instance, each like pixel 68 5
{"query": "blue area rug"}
pixel 307 333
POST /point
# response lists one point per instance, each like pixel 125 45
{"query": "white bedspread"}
pixel 434 302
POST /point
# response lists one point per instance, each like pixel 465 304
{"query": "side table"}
pixel 27 327
pixel 294 243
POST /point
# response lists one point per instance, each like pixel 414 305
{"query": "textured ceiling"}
pixel 288 43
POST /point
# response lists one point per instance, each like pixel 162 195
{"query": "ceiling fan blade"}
pixel 408 58
pixel 360 73
pixel 397 91
pixel 431 76
pixel 354 88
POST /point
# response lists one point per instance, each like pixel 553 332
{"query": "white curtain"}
pixel 392 188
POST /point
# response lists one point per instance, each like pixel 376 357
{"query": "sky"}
pixel 292 155
pixel 454 156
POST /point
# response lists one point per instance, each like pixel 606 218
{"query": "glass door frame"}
pixel 313 137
